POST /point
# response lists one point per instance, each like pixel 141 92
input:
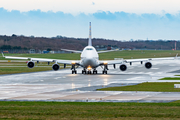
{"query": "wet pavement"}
pixel 63 86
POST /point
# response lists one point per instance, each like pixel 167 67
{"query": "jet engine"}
pixel 123 67
pixel 148 65
pixel 55 67
pixel 30 64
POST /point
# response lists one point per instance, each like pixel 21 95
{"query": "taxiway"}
pixel 63 86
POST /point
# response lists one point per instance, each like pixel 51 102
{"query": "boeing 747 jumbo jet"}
pixel 89 60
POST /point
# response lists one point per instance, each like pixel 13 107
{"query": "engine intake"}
pixel 148 65
pixel 55 67
pixel 30 64
pixel 123 67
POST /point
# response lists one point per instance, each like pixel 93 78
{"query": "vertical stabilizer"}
pixel 90 41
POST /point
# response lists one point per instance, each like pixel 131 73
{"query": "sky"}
pixel 110 19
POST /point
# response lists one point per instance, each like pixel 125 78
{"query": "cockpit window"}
pixel 89 49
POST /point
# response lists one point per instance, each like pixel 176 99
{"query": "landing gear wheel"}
pixel 83 72
pixel 74 72
pixel 95 72
pixel 104 72
pixel 89 72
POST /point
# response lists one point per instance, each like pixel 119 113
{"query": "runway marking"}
pixel 155 68
pixel 139 72
pixel 59 78
pixel 149 73
pixel 135 78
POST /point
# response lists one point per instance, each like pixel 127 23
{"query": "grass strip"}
pixel 148 86
pixel 170 78
pixel 13 70
pixel 90 111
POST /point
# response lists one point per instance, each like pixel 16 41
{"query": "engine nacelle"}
pixel 148 65
pixel 30 64
pixel 55 67
pixel 123 67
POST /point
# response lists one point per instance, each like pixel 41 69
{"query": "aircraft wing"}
pixel 151 59
pixel 44 60
pixel 74 51
pixel 107 51
pixel 111 62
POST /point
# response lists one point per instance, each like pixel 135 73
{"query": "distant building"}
pixel 45 51
pixel 31 51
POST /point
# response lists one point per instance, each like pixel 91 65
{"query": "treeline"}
pixel 59 42
pixel 9 47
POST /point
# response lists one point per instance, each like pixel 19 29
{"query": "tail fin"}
pixel 90 41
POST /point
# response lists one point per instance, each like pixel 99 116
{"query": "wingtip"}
pixel 2 54
pixel 177 55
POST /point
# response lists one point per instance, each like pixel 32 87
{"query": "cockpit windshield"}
pixel 89 49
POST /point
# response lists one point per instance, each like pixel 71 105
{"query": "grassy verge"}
pixel 21 67
pixel 64 110
pixel 170 78
pixel 13 70
pixel 154 86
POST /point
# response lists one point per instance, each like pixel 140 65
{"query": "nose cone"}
pixel 89 62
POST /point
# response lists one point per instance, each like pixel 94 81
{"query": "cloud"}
pixel 117 25
pixel 88 6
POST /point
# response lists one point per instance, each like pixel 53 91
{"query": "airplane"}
pixel 89 60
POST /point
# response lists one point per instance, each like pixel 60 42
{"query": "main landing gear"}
pixel 104 72
pixel 105 69
pixel 74 71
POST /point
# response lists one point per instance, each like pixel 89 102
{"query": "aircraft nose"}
pixel 88 62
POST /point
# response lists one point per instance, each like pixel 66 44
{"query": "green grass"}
pixel 89 111
pixel 170 78
pixel 148 86
pixel 135 54
pixel 22 67
pixel 13 70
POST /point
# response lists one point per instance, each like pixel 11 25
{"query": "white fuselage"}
pixel 89 57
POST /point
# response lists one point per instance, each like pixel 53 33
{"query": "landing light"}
pixel 73 62
pixel 105 63
pixel 89 68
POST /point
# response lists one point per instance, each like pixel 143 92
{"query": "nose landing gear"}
pixel 89 72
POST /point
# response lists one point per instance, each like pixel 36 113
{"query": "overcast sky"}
pixel 111 19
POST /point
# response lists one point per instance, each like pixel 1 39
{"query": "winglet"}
pixel 2 54
pixel 90 41
pixel 176 54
